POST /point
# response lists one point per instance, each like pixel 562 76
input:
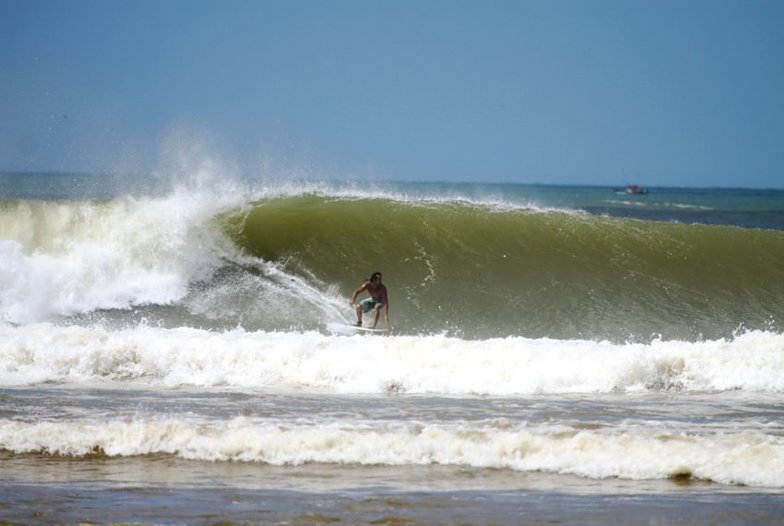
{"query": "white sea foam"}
pixel 64 258
pixel 45 352
pixel 626 452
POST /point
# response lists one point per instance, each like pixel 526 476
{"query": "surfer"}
pixel 378 298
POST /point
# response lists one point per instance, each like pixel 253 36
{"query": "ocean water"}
pixel 175 352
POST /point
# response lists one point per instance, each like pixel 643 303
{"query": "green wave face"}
pixel 479 271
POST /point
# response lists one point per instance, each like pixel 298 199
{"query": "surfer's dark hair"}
pixel 375 275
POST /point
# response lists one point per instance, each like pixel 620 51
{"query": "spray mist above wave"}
pixel 95 244
pixel 145 241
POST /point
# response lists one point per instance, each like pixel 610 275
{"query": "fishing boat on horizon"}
pixel 634 189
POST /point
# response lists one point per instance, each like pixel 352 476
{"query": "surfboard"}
pixel 365 329
pixel 345 328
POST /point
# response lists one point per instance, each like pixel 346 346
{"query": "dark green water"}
pixel 484 270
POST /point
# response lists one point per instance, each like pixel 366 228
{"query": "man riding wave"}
pixel 378 298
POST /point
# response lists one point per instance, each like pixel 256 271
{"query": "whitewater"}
pixel 563 342
pixel 168 358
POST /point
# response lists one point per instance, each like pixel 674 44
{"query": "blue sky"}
pixel 686 93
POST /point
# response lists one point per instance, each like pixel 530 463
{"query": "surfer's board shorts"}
pixel 370 303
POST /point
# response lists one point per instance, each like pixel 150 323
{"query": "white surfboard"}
pixel 366 329
pixel 349 329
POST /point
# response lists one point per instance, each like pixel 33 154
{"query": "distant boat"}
pixel 636 189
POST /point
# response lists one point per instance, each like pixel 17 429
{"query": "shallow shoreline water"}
pixel 170 491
